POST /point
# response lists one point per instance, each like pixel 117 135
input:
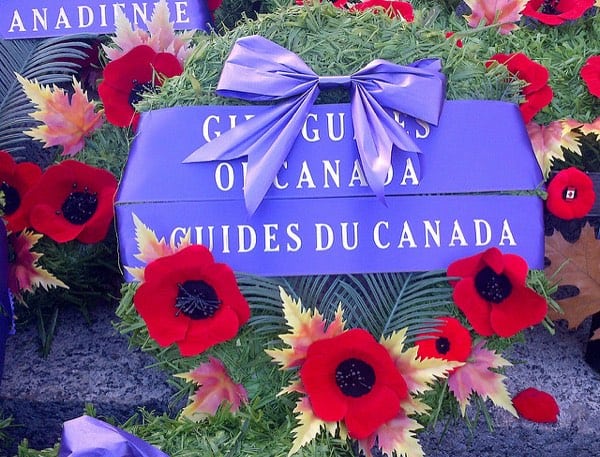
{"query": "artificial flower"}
pixel 188 299
pixel 590 73
pixel 151 248
pixel 536 405
pixel 16 181
pixel 393 8
pixel 556 12
pixel 493 295
pixel 160 36
pixel 72 201
pixel 66 119
pixel 127 78
pixel 352 382
pixel 215 388
pixel 549 142
pixel 352 378
pixel 450 341
pixel 503 12
pixel 24 272
pixel 570 194
pixel 537 92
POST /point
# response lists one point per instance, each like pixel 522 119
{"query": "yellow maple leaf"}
pixel 396 435
pixel 67 120
pixel 419 374
pixel 476 376
pixel 309 425
pixel 576 264
pixel 306 327
pixel 150 247
pixel 25 274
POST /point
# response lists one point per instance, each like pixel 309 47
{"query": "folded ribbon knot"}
pixel 259 70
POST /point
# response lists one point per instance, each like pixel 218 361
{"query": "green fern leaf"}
pixel 50 61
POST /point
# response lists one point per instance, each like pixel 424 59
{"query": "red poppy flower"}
pixel 394 8
pixel 536 405
pixel 16 180
pixel 72 201
pixel 452 341
pixel 352 377
pixel 590 73
pixel 493 295
pixel 188 299
pixel 128 77
pixel 555 12
pixel 570 194
pixel 537 92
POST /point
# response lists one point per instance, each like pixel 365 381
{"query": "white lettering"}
pixel 224 170
pixel 479 224
pixel 329 237
pixel 407 236
pixel 270 237
pixel 90 16
pixel 377 234
pixel 305 177
pixel 434 233
pixel 345 243
pixel 16 22
pixel 62 20
pixel 330 172
pixel 315 132
pixel 181 13
pixel 507 234
pixel 457 235
pixel 242 245
pixel 330 127
pixel 410 173
pixel 292 232
pixel 40 19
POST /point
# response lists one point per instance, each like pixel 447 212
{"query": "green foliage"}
pixel 335 42
pixel 90 270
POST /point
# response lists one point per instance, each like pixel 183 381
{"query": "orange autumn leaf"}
pixel 66 119
pixel 577 264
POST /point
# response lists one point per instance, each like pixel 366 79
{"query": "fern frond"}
pixel 387 302
pixel 50 61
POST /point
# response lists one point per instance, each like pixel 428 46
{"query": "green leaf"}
pixel 48 61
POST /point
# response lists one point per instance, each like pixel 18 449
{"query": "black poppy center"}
pixel 196 300
pixel 12 199
pixel 550 7
pixel 354 377
pixel 491 286
pixel 442 345
pixel 80 206
pixel 138 90
pixel 569 194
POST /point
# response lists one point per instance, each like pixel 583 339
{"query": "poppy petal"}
pixel 476 309
pixel 536 405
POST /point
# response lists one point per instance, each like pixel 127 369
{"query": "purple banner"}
pixel 42 18
pixel 320 215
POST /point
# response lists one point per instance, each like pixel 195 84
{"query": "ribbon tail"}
pixel 376 132
pixel 268 152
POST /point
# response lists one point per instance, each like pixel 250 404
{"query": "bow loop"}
pixel 259 70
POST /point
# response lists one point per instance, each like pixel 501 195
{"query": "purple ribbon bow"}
pixel 259 70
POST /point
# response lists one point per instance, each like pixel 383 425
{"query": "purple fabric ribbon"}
pixel 259 70
pixel 86 436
